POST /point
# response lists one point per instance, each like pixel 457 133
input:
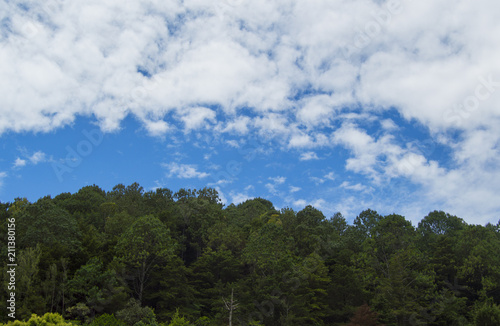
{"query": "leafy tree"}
pixel 45 223
pixel 366 221
pixel 134 314
pixel 439 223
pixel 30 300
pixel 310 297
pixel 400 276
pixel 488 314
pixel 97 288
pixel 178 320
pixel 310 225
pixel 49 319
pixel 180 255
pixel 145 245
pixel 269 250
pixel 129 199
pixel 478 260
pixel 171 288
pixel 107 320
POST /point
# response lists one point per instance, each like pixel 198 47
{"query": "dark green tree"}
pixel 142 248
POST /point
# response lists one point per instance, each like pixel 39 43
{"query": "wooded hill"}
pixel 130 257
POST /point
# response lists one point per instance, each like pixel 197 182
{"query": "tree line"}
pixel 134 257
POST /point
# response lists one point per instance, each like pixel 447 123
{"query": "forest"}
pixel 132 257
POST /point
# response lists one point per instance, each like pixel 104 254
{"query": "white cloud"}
pixel 233 143
pixel 195 118
pixel 19 163
pixel 142 59
pixel 183 171
pixel 294 189
pixel 239 125
pixel 294 67
pixel 222 197
pixel 317 203
pixel 37 157
pixel 237 198
pixel 356 187
pixel 278 180
pixel 367 151
pixel 307 156
pixel 316 110
pixel 156 128
pixel 271 188
pixel 330 176
pixel 300 203
pixel 388 124
pixel 317 180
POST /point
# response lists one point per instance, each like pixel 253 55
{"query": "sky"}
pixel 341 104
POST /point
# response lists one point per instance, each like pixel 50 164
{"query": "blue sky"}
pixel 344 105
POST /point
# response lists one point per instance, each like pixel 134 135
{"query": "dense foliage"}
pixel 130 257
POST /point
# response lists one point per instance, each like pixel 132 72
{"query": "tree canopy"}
pixel 135 257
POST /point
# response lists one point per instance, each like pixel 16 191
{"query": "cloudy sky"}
pixel 342 104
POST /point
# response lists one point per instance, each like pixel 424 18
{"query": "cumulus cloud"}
pixel 19 162
pixel 37 157
pixel 330 176
pixel 238 197
pixel 278 180
pixel 184 171
pixel 196 118
pixel 109 60
pixel 307 156
pixel 356 187
pixel 317 203
pixel 291 70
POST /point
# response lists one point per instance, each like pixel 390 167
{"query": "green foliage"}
pixel 158 256
pixel 142 247
pixel 488 314
pixel 49 319
pixel 107 320
pixel 178 320
pixel 135 315
pixel 49 225
pixel 202 321
pixel 96 287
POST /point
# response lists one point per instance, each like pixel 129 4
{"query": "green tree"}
pixel 99 289
pixel 49 319
pixel 45 223
pixel 134 314
pixel 30 299
pixel 145 245
pixel 107 320
pixel 487 314
pixel 178 320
